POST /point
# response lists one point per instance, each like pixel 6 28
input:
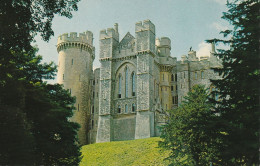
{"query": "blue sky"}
pixel 186 22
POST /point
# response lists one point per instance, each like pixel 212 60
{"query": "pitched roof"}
pixel 128 38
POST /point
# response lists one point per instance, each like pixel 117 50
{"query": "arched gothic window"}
pixel 133 84
pixel 126 108
pixel 202 74
pixel 119 109
pixel 133 107
pixel 126 82
pixel 119 85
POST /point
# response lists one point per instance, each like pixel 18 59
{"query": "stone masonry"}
pixel 138 80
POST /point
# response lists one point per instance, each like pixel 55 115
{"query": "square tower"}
pixel 145 50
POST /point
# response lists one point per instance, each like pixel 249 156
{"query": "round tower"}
pixel 76 55
pixel 163 46
pixel 164 51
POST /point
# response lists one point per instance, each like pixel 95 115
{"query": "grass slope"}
pixel 134 152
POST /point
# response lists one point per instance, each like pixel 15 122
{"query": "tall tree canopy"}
pixel 21 20
pixel 238 106
pixel 34 116
pixel 188 129
pixel 231 135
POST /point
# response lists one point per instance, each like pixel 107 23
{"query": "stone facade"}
pixel 138 80
pixel 76 55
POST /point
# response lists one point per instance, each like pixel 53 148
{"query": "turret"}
pixel 192 56
pixel 145 49
pixel 85 37
pixel 163 46
pixel 183 58
pixel 145 36
pixel 76 55
pixel 109 39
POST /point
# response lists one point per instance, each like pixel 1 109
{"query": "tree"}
pixel 35 125
pixel 48 108
pixel 238 106
pixel 16 141
pixel 188 129
pixel 27 104
pixel 20 21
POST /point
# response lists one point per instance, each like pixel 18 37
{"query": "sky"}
pixel 188 23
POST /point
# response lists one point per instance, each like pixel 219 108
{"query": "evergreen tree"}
pixel 33 115
pixel 36 125
pixel 188 128
pixel 48 108
pixel 20 21
pixel 238 107
pixel 16 140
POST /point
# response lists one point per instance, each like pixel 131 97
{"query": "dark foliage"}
pixel 189 130
pixel 34 116
pixel 17 142
pixel 48 108
pixel 238 106
pixel 232 136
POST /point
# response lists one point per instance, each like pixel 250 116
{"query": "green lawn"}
pixel 134 152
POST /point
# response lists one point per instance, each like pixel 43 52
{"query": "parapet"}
pixel 202 58
pixel 163 42
pixel 168 60
pixel 145 25
pixel 184 58
pixel 192 56
pixel 109 33
pixel 85 37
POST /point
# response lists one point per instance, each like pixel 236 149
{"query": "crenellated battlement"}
pixel 85 37
pixel 184 58
pixel 144 26
pixel 170 61
pixel 81 41
pixel 109 33
pixel 202 58
pixel 163 46
pixel 192 56
pixel 137 82
pixel 163 42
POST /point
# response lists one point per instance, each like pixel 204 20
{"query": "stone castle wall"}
pixel 126 98
pixel 76 55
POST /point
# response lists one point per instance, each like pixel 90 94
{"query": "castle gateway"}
pixel 138 80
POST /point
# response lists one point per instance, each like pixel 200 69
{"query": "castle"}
pixel 138 80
